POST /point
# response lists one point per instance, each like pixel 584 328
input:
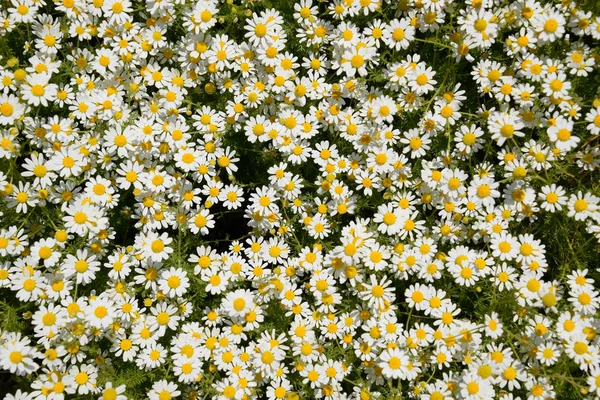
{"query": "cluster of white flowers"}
pixel 391 160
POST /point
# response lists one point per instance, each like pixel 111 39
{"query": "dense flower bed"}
pixel 365 199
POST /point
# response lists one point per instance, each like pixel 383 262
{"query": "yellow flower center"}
pixel 6 109
pixel 580 348
pixel 394 363
pixel 551 26
pixel 239 304
pixel 157 246
pixel 480 25
pixel 81 378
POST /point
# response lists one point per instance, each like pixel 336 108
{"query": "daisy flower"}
pixel 393 363
pixel 10 109
pixel 173 282
pixel 582 206
pixel 549 24
pixel 101 312
pixel 561 133
pixel 553 197
pixel 505 125
pixel 37 90
pixel 504 246
pixel 416 143
pixel 238 303
pixel 22 197
pixel 504 276
pixel 67 162
pixel 398 34
pixel 201 222
pixel 473 387
pixel 390 219
pixel 376 294
pixel 422 81
pixel 113 393
pixel 163 389
pixel 17 356
pixel 154 246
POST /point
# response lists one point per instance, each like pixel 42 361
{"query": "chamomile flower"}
pixel 553 197
pixel 163 316
pixel 319 227
pixel 82 266
pixel 493 325
pixel 505 125
pixel 49 38
pixel 101 312
pixel 110 117
pixel 163 389
pixel 37 90
pixel 422 81
pixel 17 356
pixel 11 109
pixel 416 143
pixel 173 282
pixel 394 363
pixel 453 182
pixel 398 34
pixel 548 353
pixel 582 206
pixel 67 162
pixel 550 25
pixel 390 219
pixel 561 133
pixel 201 222
pixel 505 247
pixel 376 294
pixel 579 349
pixel 155 247
pixel 473 387
pixel 482 25
pixel 46 251
pixel 504 276
pixel 22 198
pixel 23 11
pixel 109 392
pixel 238 303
